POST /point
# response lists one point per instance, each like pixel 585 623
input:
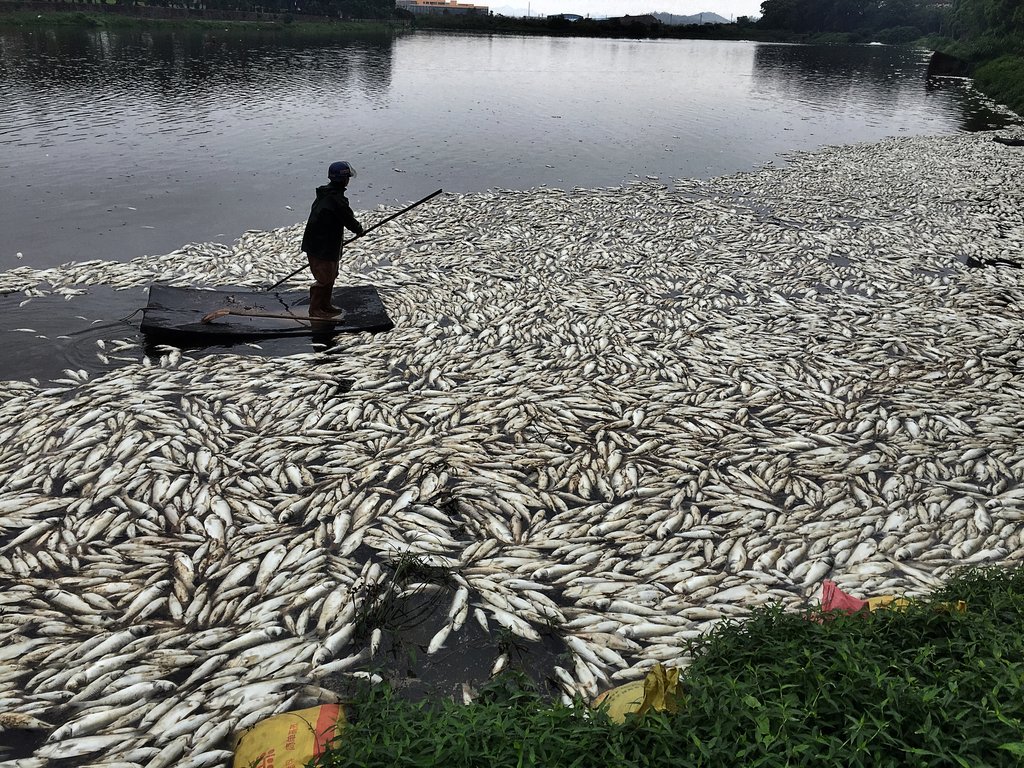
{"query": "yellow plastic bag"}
pixel 622 700
pixel 899 603
pixel 289 740
pixel 659 690
pixel 887 601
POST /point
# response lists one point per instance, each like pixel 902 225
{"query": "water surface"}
pixel 115 144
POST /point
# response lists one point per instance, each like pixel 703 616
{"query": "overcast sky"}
pixel 726 8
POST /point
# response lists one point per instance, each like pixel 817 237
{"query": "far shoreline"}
pixel 119 16
pixel 95 16
pixel 996 73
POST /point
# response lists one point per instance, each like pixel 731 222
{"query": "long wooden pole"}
pixel 365 232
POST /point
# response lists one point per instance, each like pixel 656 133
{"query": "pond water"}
pixel 116 144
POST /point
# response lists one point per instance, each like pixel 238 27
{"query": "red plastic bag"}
pixel 834 599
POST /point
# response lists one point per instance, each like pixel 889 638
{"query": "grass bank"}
pixel 1002 79
pixel 924 687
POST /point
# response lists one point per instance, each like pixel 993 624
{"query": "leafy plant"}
pixel 925 686
pixel 1003 80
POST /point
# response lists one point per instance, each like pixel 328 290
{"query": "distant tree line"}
pixel 902 20
pixel 350 9
pixel 1000 22
pixel 339 9
pixel 995 24
pixel 899 20
pixel 635 26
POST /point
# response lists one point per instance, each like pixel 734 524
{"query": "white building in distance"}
pixel 440 7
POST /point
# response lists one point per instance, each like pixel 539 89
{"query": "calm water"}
pixel 119 144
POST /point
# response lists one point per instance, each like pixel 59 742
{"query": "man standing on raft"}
pixel 324 237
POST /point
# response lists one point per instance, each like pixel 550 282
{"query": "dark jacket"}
pixel 328 218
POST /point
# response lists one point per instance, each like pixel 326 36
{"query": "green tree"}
pixel 977 18
pixel 847 16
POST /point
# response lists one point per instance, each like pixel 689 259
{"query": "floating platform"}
pixel 177 314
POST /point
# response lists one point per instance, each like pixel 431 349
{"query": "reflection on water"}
pixel 74 85
pixel 115 144
pixel 55 337
pixel 91 62
pixel 831 78
pixel 976 113
pixel 829 71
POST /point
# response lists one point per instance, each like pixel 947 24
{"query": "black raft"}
pixel 193 315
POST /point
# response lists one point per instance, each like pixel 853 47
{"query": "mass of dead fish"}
pixel 616 415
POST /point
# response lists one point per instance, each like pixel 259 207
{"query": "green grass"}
pixel 923 687
pixel 1003 81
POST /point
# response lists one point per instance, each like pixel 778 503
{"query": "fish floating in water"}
pixel 618 415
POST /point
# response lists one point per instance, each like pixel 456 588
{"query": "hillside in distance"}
pixel 673 19
pixel 697 18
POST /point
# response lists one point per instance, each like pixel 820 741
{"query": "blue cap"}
pixel 341 170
